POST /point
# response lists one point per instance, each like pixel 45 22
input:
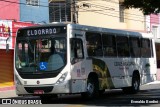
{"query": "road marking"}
pixel 74 105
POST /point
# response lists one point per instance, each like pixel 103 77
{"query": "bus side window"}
pixel 76 50
pixel 122 46
pixel 94 44
pixel 145 49
pixel 109 45
pixel 135 47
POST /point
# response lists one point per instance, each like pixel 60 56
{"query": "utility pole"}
pixel 74 12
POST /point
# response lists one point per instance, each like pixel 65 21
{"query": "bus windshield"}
pixel 40 54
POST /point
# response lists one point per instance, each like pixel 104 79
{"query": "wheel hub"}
pixel 90 88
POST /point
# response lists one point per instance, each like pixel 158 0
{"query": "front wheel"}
pixel 92 88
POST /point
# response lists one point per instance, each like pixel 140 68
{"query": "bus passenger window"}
pixel 122 46
pixel 94 44
pixel 109 45
pixel 135 47
pixel 146 48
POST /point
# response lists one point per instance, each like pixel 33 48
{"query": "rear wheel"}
pixel 92 88
pixel 135 85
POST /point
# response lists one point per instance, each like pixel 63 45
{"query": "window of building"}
pixel 32 2
pixel 59 12
pixel 121 13
pixel 122 46
pixel 94 44
pixel 155 31
pixel 109 45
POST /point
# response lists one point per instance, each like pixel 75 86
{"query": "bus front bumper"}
pixel 62 88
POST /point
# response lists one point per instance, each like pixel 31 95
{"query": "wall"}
pixel 9 10
pixel 103 13
pixel 135 20
pixel 34 13
pixel 154 19
pixel 6 68
pixel 154 22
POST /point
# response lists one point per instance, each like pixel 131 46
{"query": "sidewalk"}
pixel 155 82
pixel 6 92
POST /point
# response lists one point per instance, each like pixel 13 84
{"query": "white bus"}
pixel 61 58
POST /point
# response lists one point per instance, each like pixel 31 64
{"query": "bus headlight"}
pixel 18 82
pixel 62 78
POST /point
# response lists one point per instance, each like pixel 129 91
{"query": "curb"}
pixel 2 89
pixel 155 82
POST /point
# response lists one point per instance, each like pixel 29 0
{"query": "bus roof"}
pixel 109 30
pixel 45 25
pixel 94 29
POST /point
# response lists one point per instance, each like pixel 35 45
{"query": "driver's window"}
pixel 76 50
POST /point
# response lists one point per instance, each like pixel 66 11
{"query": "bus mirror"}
pixel 7 47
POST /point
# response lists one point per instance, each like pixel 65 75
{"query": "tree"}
pixel 146 6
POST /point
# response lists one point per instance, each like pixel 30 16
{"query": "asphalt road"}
pixel 149 95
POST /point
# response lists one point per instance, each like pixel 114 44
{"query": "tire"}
pixel 135 85
pixel 92 88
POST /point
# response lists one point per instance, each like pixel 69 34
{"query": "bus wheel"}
pixel 135 85
pixel 92 88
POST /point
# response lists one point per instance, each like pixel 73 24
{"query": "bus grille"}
pixel 46 89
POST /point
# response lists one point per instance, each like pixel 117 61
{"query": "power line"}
pixel 100 5
pixel 21 3
pixel 5 6
pixel 67 3
pixel 71 4
pixel 106 8
pixel 118 16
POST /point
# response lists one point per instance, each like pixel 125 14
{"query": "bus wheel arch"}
pixel 92 86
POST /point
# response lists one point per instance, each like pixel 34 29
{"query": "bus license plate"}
pixel 38 92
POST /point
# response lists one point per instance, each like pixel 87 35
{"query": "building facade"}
pixel 8 29
pixel 100 13
pixel 110 14
pixel 25 10
pixel 153 26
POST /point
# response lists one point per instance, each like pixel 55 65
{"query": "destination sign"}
pixel 42 31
